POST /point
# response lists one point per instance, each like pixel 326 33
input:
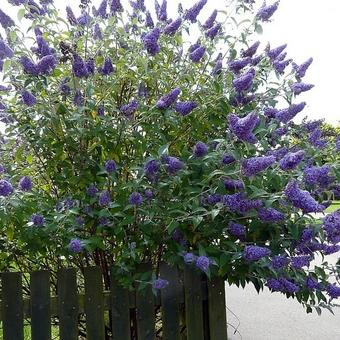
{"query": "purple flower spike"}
pixel 197 54
pixel 251 50
pixel 210 21
pixel 291 160
pixel 107 68
pixel 167 100
pixel 116 6
pixel 129 109
pixel 6 188
pixel 301 70
pixel 135 199
pixel 110 166
pixel 37 220
pixel 298 88
pixel 5 20
pixel 75 246
pixel 5 51
pixel 159 284
pixel 237 65
pixel 46 64
pixel 254 165
pixel 172 28
pixel 200 149
pixel 266 12
pixel 150 41
pixel 25 184
pixel 28 98
pixel 298 262
pixel 148 20
pixel 288 114
pixel 184 108
pixel 237 230
pixel 275 52
pixel 104 198
pixel 270 215
pixel 255 253
pixel 245 81
pixel 202 263
pixel 243 127
pixel 173 164
pixel 192 13
pixel 189 258
pixel 212 32
pixel 71 17
pixel 302 199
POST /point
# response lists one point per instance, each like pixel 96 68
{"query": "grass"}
pixel 334 206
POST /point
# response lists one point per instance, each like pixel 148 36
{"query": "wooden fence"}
pixel 203 302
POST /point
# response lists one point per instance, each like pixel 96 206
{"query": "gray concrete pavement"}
pixel 271 316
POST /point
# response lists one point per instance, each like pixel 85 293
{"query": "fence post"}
pixel 68 307
pixel 12 306
pixel 94 304
pixel 40 305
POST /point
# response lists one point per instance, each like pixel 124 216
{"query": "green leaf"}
pixel 21 14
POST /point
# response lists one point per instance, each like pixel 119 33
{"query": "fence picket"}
pixel 193 304
pixel 12 307
pixel 120 311
pixel 217 309
pixel 94 304
pixel 68 307
pixel 40 306
pixel 170 299
pixel 145 309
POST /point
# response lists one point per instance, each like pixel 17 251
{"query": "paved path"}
pixel 271 316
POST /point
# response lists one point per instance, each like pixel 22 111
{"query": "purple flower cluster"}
pixel 237 65
pixel 270 215
pixel 292 160
pixel 288 114
pixel 172 28
pixel 189 258
pixel 266 12
pixel 298 88
pixel 282 285
pixel 5 51
pixel 302 199
pixel 315 139
pixel 318 176
pixel 150 41
pixel 75 246
pixel 243 127
pixel 193 12
pixel 240 203
pixel 107 67
pixel 279 261
pixel 104 198
pixel 5 20
pixel 78 99
pixel 331 226
pixel 254 165
pixel 173 164
pixel 129 109
pixel 197 54
pixel 275 52
pixel 280 65
pixel 116 6
pixel 25 184
pixel 110 166
pixel 6 188
pixel 251 50
pixel 238 230
pixel 92 190
pixel 245 81
pixel 300 70
pixel 151 169
pixel 298 262
pixel 159 284
pixel 184 108
pixel 28 98
pixel 213 31
pixel 255 253
pixel 38 220
pixel 135 199
pixel 233 184
pixel 202 263
pixel 210 21
pixel 228 159
pixel 200 149
pixel 169 99
pixel 312 284
pixel 333 291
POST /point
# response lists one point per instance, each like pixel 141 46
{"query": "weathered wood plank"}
pixel 68 307
pixel 193 304
pixel 170 299
pixel 94 304
pixel 145 309
pixel 217 309
pixel 12 307
pixel 40 305
pixel 120 311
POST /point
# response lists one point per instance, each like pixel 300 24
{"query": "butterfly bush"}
pixel 127 142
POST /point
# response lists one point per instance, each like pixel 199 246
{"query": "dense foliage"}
pixel 128 142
